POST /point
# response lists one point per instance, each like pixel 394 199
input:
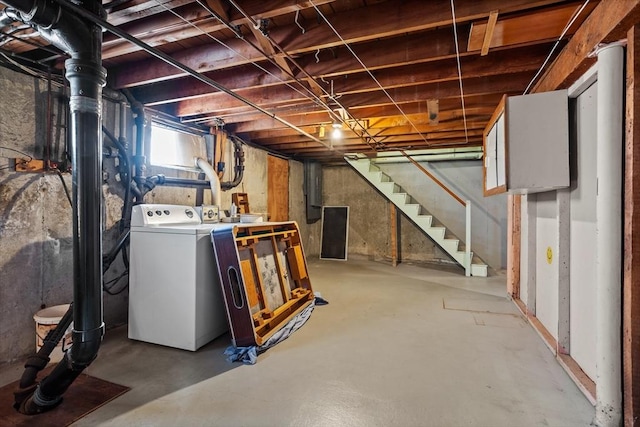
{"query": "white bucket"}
pixel 46 320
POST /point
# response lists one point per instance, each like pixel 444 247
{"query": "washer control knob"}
pixel 149 213
pixel 188 213
pixel 167 212
pixel 158 213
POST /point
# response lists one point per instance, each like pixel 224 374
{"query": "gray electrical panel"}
pixel 313 190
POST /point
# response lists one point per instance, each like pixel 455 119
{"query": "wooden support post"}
pixel 631 273
pixel 393 223
pixel 513 246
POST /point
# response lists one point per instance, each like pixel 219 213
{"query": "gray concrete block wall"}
pixel 368 211
pixel 22 112
pixel 369 220
pixel 35 256
pixel 35 218
pixel 297 209
pixel 36 261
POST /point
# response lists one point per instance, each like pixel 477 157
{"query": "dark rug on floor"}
pixel 85 395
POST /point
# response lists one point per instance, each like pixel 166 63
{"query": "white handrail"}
pixel 467 247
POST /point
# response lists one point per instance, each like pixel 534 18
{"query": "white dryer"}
pixel 174 291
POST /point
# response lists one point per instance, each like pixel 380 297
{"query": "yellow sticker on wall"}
pixel 549 255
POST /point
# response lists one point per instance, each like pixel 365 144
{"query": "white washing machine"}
pixel 174 291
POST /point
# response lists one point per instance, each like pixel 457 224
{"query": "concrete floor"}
pixel 404 346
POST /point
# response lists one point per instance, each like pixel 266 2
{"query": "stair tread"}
pixel 400 198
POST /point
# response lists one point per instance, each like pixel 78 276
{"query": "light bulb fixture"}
pixel 336 133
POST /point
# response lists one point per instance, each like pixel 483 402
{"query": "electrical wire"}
pixel 109 285
pixel 64 185
pixel 298 23
pixel 338 117
pixel 368 71
pixel 20 66
pixel 309 95
pixel 239 54
pixel 36 45
pixel 177 64
pixel 555 45
pixel 34 72
pixel 455 38
pixel 4 147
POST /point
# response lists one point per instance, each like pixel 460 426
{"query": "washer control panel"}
pixel 150 215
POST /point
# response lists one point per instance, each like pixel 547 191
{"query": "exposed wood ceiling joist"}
pixel 407 48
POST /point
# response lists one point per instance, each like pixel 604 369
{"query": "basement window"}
pixel 171 148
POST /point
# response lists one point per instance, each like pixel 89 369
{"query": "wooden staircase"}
pixel 418 214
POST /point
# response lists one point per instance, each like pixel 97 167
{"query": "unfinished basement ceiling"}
pixel 385 71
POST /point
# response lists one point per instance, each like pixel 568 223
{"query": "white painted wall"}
pixel 547 271
pixel 541 229
pixel 583 236
pixel 524 249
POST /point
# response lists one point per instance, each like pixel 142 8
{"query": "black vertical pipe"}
pixel 140 120
pixel 86 78
pixel 82 40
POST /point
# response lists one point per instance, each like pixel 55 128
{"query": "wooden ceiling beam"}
pixel 502 63
pixel 478 86
pixel 339 61
pixel 519 60
pixel 160 30
pixel 447 119
pixel 393 126
pixel 390 79
pixel 472 134
pixel 381 134
pixel 384 20
pixel 364 112
pixel 374 22
pixel 246 76
pixel 267 97
pixel 546 24
pixel 319 150
pixel 402 95
pixel 608 22
pixel 138 9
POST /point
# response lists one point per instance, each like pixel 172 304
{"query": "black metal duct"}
pixel 82 40
pixel 238 169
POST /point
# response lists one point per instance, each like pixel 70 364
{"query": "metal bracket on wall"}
pixel 30 165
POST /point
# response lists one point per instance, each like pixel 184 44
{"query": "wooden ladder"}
pixel 241 200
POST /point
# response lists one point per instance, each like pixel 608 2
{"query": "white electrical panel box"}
pixel 526 144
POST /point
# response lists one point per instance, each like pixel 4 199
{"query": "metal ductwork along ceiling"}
pixel 82 41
